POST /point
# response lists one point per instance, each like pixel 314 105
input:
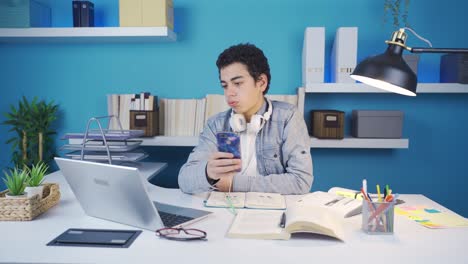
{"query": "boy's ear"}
pixel 262 82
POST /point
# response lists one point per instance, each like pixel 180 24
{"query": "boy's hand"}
pixel 223 166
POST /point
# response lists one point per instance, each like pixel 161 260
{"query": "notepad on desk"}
pixel 253 200
pixel 318 212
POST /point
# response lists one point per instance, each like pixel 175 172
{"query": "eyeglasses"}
pixel 181 234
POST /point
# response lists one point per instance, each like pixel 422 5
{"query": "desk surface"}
pixel 411 243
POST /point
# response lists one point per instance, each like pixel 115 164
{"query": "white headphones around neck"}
pixel 239 124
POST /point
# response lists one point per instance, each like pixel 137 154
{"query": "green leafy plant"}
pixel 37 174
pixel 31 123
pixel 16 181
pixel 398 9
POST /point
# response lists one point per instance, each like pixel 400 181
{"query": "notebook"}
pixel 253 200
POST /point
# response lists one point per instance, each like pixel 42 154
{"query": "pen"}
pixel 283 220
pixel 379 198
pixel 364 185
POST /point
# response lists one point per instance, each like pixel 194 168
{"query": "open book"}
pixel 252 200
pixel 318 212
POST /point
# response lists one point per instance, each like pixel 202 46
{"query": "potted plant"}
pixel 36 177
pixel 32 123
pixel 398 10
pixel 16 181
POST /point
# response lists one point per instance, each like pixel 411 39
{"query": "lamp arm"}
pixel 438 50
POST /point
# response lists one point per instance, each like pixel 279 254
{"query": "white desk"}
pixel 26 241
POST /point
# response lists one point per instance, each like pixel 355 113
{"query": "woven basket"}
pixel 25 209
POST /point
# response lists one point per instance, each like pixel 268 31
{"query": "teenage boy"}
pixel 275 145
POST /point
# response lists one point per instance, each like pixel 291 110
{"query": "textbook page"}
pixel 260 224
pixel 265 200
pixel 344 206
pixel 314 219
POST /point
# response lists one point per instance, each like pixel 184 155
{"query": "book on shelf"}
pixel 318 212
pixel 215 103
pixel 253 200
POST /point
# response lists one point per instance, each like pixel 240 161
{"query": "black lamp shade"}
pixel 387 71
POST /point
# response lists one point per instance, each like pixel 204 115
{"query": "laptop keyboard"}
pixel 170 220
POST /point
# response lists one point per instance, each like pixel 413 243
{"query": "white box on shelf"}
pixel 313 56
pixel 344 55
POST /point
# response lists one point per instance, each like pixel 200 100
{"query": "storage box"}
pixel 377 124
pixel 24 13
pixel 412 60
pixel 454 68
pixel 146 13
pixel 145 120
pixel 327 124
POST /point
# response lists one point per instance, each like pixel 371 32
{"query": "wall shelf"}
pixel 350 142
pixel 314 143
pixel 87 35
pixel 363 88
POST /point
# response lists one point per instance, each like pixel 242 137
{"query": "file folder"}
pixel 344 55
pixel 313 56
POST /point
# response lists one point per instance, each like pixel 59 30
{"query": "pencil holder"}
pixel 377 217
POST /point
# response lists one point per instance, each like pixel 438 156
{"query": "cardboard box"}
pixel 328 124
pixel 146 13
pixel 24 14
pixel 377 124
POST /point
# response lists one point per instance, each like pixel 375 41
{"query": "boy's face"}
pixel 243 94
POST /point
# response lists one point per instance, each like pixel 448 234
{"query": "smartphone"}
pixel 229 142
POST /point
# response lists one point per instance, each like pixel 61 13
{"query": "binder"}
pixel 76 6
pixel 313 56
pixel 87 14
pixel 344 55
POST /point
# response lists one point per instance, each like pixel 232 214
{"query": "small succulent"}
pixel 16 181
pixel 37 174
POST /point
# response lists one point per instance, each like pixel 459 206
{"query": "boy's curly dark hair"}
pixel 249 55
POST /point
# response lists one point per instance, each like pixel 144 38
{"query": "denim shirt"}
pixel 282 148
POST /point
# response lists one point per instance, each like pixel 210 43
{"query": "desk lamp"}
pixel 388 71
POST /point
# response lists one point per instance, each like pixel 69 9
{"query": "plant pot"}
pixel 21 196
pixel 34 190
pixel 412 60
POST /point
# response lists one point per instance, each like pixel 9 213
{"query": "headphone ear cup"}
pixel 256 122
pixel 237 122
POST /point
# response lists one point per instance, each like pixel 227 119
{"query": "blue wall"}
pixel 78 76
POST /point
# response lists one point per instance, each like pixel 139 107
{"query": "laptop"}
pixel 117 193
